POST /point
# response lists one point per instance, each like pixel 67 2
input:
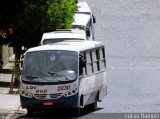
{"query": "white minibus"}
pixel 62 35
pixel 83 22
pixel 69 75
pixel 83 8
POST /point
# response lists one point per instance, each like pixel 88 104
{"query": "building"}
pixel 5 53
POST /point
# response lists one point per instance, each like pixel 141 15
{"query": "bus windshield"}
pixel 50 66
pixel 78 26
pixel 55 40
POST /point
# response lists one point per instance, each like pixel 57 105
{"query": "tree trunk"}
pixel 17 51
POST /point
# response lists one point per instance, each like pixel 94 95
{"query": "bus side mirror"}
pixel 21 61
pixel 82 65
pixel 82 68
pixel 21 64
pixel 94 19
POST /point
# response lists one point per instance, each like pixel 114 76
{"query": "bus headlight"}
pixel 25 93
pixel 73 92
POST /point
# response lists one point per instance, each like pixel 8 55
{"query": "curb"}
pixel 20 109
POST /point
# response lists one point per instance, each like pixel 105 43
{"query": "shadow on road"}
pixel 55 114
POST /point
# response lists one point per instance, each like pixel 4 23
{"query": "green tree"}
pixel 22 22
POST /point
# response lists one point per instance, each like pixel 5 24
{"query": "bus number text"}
pixel 41 91
pixel 60 88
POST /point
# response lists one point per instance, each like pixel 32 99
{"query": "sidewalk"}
pixel 9 103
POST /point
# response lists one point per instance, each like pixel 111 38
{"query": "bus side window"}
pixel 98 57
pixel 94 57
pixel 89 63
pixel 102 59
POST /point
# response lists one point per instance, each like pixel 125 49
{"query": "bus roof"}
pixel 83 7
pixel 69 46
pixel 64 34
pixel 73 33
pixel 81 19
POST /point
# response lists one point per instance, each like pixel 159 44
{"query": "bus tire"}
pixel 77 112
pixel 93 106
pixel 29 112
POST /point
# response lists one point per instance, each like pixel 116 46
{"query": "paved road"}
pixel 130 30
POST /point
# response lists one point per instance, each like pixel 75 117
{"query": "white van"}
pixel 84 22
pixel 83 8
pixel 63 35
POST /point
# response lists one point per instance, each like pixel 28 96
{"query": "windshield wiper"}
pixel 35 77
pixel 31 77
pixel 54 73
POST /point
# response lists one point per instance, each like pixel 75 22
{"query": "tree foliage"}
pixel 22 22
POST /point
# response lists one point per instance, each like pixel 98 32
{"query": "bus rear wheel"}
pixel 77 112
pixel 93 106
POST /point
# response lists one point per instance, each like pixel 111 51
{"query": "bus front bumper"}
pixel 63 102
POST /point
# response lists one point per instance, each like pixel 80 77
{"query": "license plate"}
pixel 47 103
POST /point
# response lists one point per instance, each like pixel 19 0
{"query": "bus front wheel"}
pixel 77 112
pixel 93 106
pixel 29 112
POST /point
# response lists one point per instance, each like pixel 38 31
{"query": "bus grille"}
pixel 41 96
pixel 56 95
